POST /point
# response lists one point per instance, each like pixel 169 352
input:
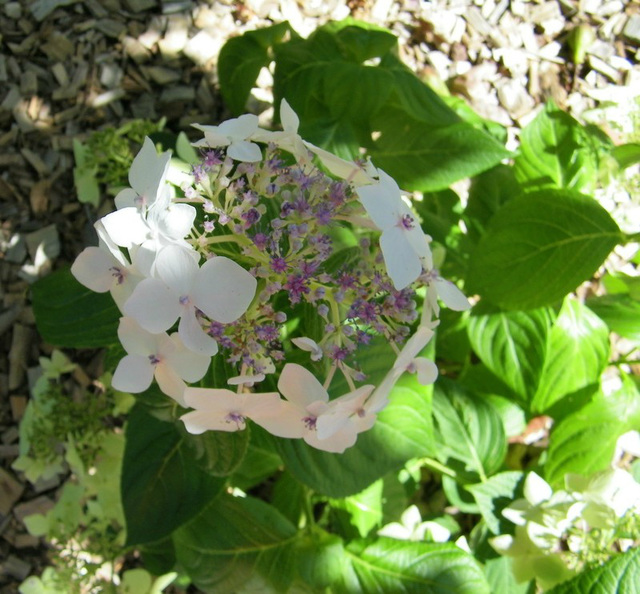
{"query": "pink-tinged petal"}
pixel 176 220
pixel 426 370
pixel 245 380
pixel 133 374
pixel 223 290
pixel 300 386
pixel 347 170
pixel 136 340
pixel 126 199
pixel 402 263
pixel 288 117
pixel 256 406
pixel 337 443
pixel 153 305
pixel 126 227
pixel 285 420
pixel 199 421
pixel 452 297
pixel 243 150
pixel 342 410
pixel 413 347
pixel 239 128
pixel 170 383
pixel 307 344
pixel 176 267
pixel 193 336
pixel 95 268
pixel 210 399
pixel 190 366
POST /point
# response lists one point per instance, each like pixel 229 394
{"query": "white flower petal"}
pixel 382 201
pixel 452 297
pixel 426 370
pixel 239 128
pixel 413 347
pixel 133 374
pixel 189 365
pixel 342 168
pixel 193 336
pixel 126 227
pixel 176 220
pixel 170 383
pixel 309 345
pixel 402 263
pixel 286 420
pixel 177 269
pixel 243 150
pixel 300 386
pixel 136 340
pixel 126 198
pixel 223 290
pixel 288 117
pixel 94 268
pixel 153 305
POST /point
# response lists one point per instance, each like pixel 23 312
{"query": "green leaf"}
pixel 494 495
pixel 240 61
pixel 161 486
pixel 426 157
pixel 556 152
pixel 577 353
pixel 289 497
pixel 467 429
pixel 360 40
pixel 512 345
pixel 260 462
pixel 70 315
pixel 539 247
pixel 389 565
pixel 620 574
pixel 620 312
pixel 584 442
pixel 320 559
pixel 489 191
pixel 364 508
pixel 501 579
pixel 627 154
pixel 236 539
pixel 218 453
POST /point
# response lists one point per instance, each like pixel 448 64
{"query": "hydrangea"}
pixel 263 259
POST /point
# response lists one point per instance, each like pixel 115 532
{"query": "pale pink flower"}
pixel 224 410
pixel 220 288
pixel 404 245
pixel 234 135
pixel 156 355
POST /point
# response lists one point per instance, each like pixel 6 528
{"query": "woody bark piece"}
pixel 10 491
pixel 20 343
pixel 16 568
pixel 39 505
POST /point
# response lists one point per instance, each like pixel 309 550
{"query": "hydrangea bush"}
pixel 272 301
pixel 251 235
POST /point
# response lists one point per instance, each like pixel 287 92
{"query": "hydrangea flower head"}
pixel 263 259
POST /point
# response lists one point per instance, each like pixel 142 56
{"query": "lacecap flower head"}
pixel 282 259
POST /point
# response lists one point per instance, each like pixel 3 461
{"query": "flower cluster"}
pixel 558 533
pixel 259 257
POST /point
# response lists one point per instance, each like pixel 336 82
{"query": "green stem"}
pixel 438 467
pixel 631 238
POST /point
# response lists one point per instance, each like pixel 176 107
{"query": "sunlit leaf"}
pixel 389 565
pixel 577 353
pixel 539 247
